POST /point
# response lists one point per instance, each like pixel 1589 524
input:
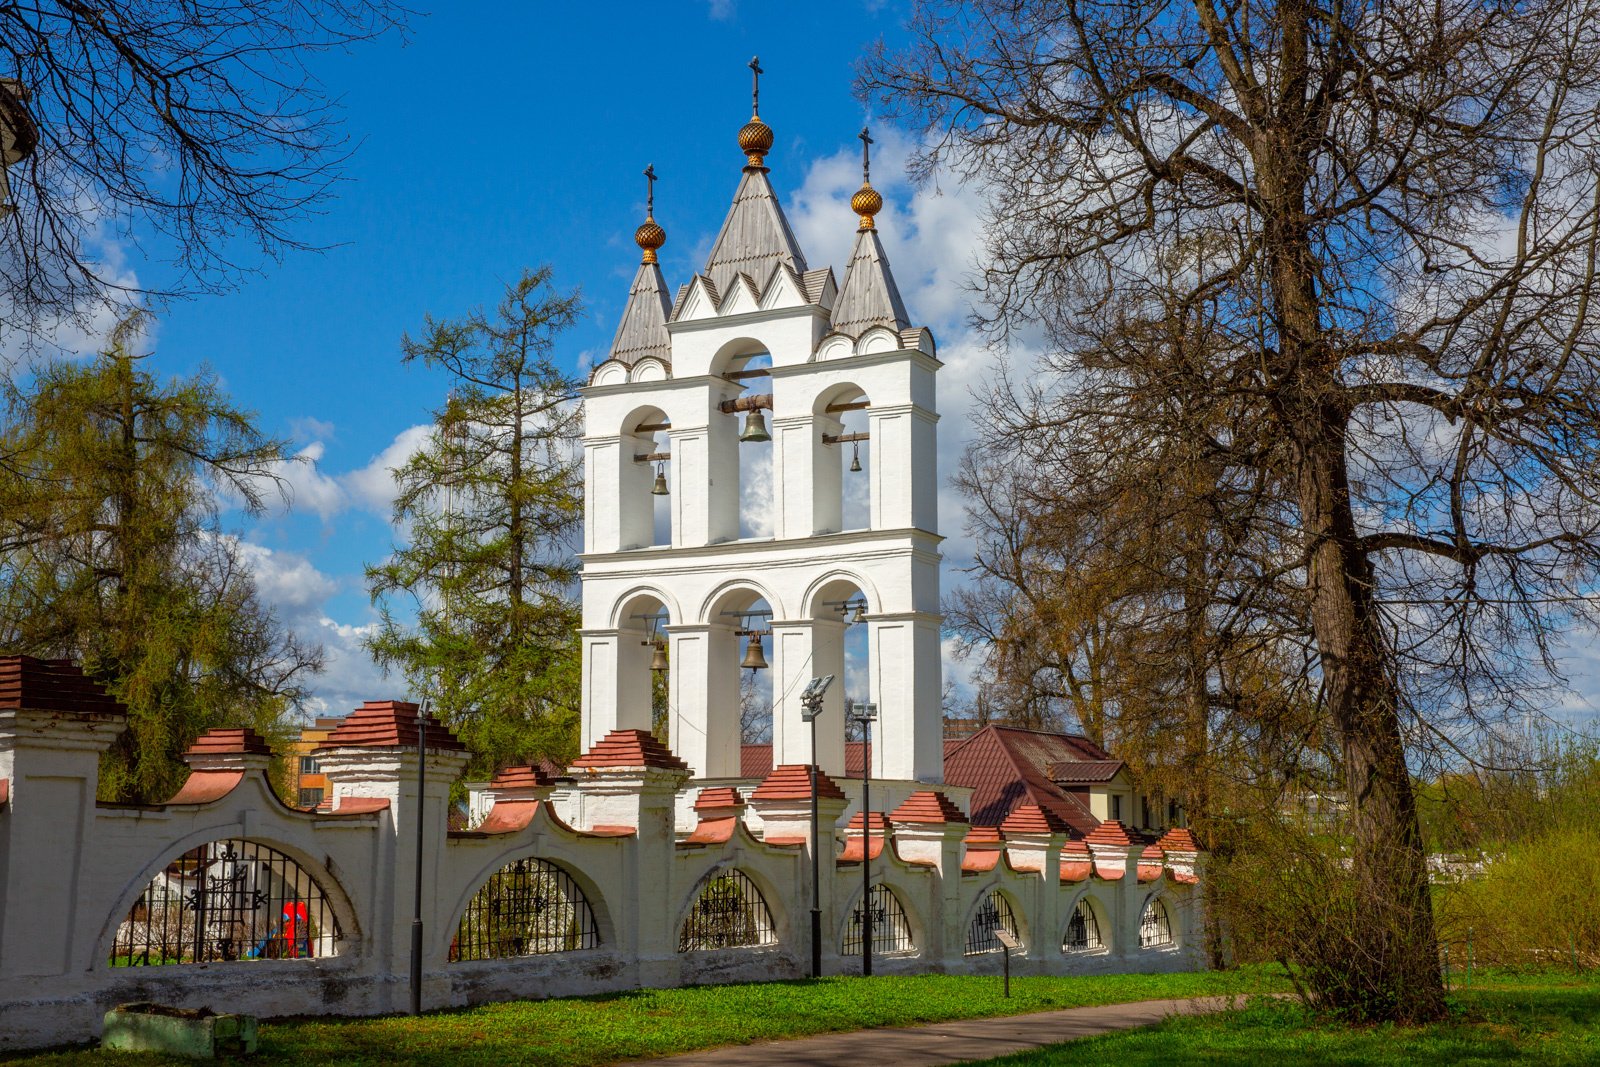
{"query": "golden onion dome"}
pixel 649 237
pixel 755 141
pixel 867 202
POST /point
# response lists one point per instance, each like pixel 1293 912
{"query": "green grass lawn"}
pixel 656 1022
pixel 1544 1019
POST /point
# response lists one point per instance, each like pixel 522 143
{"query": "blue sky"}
pixel 496 137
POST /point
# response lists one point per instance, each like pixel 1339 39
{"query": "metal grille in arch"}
pixel 891 930
pixel 1155 926
pixel 1083 929
pixel 227 900
pixel 993 914
pixel 729 912
pixel 526 908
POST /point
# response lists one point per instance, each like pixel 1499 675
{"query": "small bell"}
pixel 754 658
pixel 660 488
pixel 658 659
pixel 861 613
pixel 855 457
pixel 755 428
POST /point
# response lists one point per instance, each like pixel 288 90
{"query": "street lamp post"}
pixel 863 714
pixel 416 906
pixel 810 708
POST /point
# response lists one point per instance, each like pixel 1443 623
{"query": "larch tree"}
pixel 112 555
pixel 1400 203
pixel 491 505
pixel 197 129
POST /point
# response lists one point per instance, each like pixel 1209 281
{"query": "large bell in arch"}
pixel 754 658
pixel 755 428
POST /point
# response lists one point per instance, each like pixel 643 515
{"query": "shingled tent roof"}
pixel 643 329
pixel 869 296
pixel 755 238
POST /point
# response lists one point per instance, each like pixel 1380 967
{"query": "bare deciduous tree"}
pixel 1400 212
pixel 197 125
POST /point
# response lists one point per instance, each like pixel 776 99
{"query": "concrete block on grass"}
pixel 198 1033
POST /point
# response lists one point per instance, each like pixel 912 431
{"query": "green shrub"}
pixel 1536 904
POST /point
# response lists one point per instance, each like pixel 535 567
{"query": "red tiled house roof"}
pixel 755 761
pixel 1006 767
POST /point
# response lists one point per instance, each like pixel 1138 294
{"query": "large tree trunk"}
pixel 1389 862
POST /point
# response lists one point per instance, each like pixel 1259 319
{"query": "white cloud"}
pixel 722 10
pixel 372 487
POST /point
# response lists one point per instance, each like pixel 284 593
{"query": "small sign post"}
pixel 1007 943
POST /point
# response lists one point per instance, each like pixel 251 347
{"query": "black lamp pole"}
pixel 864 716
pixel 810 708
pixel 816 863
pixel 416 909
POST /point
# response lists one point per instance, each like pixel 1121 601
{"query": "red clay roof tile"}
pixel 1032 819
pixel 5 791
pixel 31 684
pixel 928 806
pixel 224 741
pixel 1179 839
pixel 507 817
pixel 629 748
pixel 203 787
pixel 360 805
pixel 792 781
pixel 718 798
pixel 712 831
pixel 519 778
pixel 1110 833
pixel 389 724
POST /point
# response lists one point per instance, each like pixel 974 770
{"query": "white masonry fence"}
pixel 226 898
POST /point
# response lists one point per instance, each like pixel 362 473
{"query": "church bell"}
pixel 658 658
pixel 660 488
pixel 755 427
pixel 754 658
pixel 855 456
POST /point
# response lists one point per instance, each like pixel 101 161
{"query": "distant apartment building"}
pixel 310 786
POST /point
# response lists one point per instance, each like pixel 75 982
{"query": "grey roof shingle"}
pixel 755 237
pixel 869 296
pixel 643 329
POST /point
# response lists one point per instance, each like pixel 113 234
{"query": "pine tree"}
pixel 111 554
pixel 491 504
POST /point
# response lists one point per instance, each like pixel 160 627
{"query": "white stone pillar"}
pixel 616 684
pixel 904 666
pixel 804 649
pixel 704 694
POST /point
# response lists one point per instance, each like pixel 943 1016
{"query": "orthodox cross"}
pixel 755 85
pixel 650 195
pixel 866 155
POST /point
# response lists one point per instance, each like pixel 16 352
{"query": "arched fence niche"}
pixel 728 912
pixel 891 927
pixel 529 907
pixel 1155 925
pixel 227 900
pixel 1083 929
pixel 995 913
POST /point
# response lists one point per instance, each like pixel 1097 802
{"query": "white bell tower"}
pixel 757 333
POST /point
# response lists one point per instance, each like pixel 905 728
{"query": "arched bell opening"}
pixel 843 471
pixel 644 664
pixel 751 413
pixel 840 646
pixel 645 485
pixel 739 678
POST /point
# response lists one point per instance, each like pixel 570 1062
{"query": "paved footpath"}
pixel 945 1043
